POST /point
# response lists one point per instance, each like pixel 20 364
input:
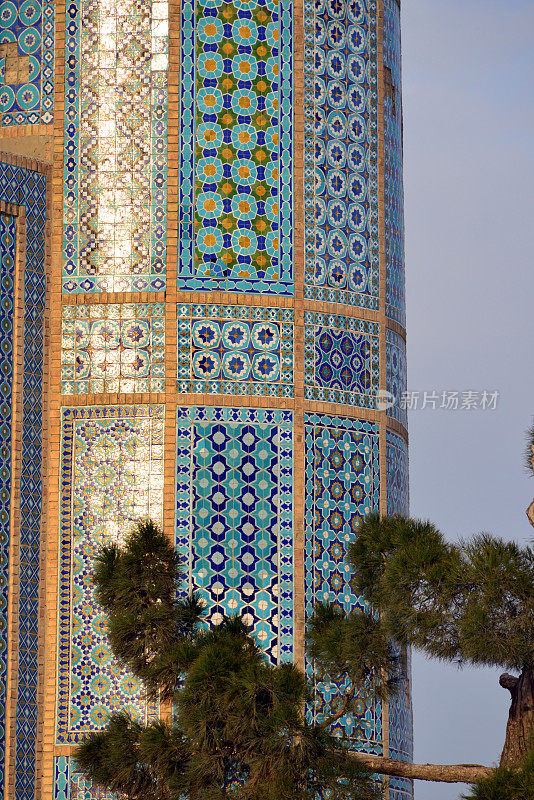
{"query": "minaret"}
pixel 201 321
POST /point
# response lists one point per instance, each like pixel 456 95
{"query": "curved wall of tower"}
pixel 202 321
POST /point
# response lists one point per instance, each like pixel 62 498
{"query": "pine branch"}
pixel 442 773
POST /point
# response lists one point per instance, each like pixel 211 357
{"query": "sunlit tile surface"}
pixel 115 129
pixel 113 348
pixel 112 476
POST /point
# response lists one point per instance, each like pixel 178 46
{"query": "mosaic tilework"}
pixel 394 199
pixel 341 142
pixel 115 169
pixel 8 239
pixel 71 785
pixel 235 350
pixel 111 475
pixel 26 188
pixel 400 789
pixel 397 474
pixel 235 518
pixel 113 348
pixel 236 105
pixel 341 359
pixel 400 718
pixel 342 487
pixel 26 62
pixel 396 374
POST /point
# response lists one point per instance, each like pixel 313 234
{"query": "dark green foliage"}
pixel 238 728
pixel 506 784
pixel 471 602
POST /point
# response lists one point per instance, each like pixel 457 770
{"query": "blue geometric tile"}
pixel 113 348
pixel 342 487
pixel 115 169
pixel 396 375
pixel 72 785
pixel 235 350
pixel 341 359
pixel 397 479
pixel 400 714
pixel 111 476
pixel 340 152
pixel 234 517
pixel 26 62
pixel 235 172
pixel 393 185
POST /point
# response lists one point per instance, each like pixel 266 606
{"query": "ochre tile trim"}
pixel 14 131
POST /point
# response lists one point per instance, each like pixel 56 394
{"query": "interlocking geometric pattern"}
pixel 397 474
pixel 26 188
pixel 394 199
pixel 400 789
pixel 112 475
pixel 115 170
pixel 400 715
pixel 235 195
pixel 71 785
pixel 113 348
pixel 8 239
pixel 396 374
pixel 235 519
pixel 342 487
pixel 341 359
pixel 235 350
pixel 341 142
pixel 26 62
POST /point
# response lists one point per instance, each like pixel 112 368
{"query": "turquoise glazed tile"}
pixel 113 348
pixel 397 478
pixel 235 350
pixel 112 476
pixel 396 375
pixel 234 524
pixel 69 784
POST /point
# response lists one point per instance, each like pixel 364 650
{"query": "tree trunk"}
pixel 444 773
pixel 520 728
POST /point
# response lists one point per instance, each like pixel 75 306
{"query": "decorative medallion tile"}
pixel 397 480
pixel 396 375
pixel 8 242
pixel 342 487
pixel 235 350
pixel 340 155
pixel 111 476
pixel 115 170
pixel 393 185
pixel 113 348
pixel 26 62
pixel 235 186
pixel 234 520
pixel 341 359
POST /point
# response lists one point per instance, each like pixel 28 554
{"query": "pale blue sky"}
pixel 469 178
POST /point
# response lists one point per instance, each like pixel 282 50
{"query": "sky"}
pixel 468 82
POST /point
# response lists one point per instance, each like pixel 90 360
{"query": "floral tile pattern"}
pixel 113 348
pixel 234 525
pixel 341 145
pixel 112 476
pixel 342 487
pixel 235 195
pixel 115 171
pixel 26 62
pixel 235 350
pixel 396 375
pixel 341 359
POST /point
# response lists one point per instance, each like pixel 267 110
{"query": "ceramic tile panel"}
pixel 234 523
pixel 341 359
pixel 341 145
pixel 28 189
pixel 26 62
pixel 342 487
pixel 393 185
pixel 8 241
pixel 396 375
pixel 235 350
pixel 400 789
pixel 111 477
pixel 397 479
pixel 235 169
pixel 115 169
pixel 69 784
pixel 113 348
pixel 400 714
